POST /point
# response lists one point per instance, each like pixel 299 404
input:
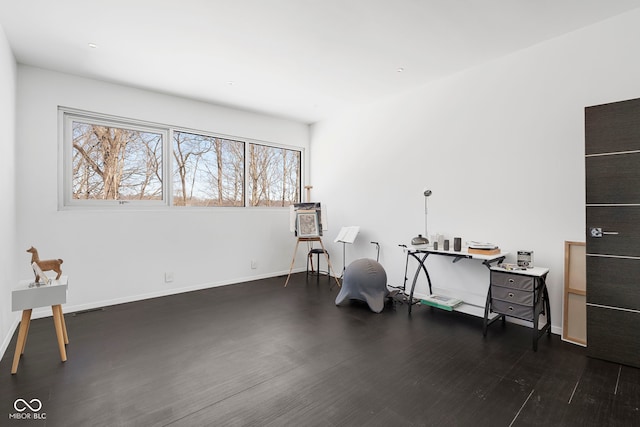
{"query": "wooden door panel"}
pixel 613 179
pixel 613 335
pixel 614 282
pixel 624 220
pixel 612 131
pixel 614 127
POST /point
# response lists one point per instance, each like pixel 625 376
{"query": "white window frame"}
pixel 247 177
pixel 67 115
pixel 66 118
pixel 244 141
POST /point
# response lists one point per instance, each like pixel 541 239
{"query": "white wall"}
pixel 500 146
pixel 112 257
pixel 8 272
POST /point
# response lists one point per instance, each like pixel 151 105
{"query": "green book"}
pixel 439 301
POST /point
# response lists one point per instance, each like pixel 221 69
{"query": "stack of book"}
pixel 482 248
pixel 440 301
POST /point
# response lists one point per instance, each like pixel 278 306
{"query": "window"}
pixel 115 162
pixel 274 176
pixel 112 163
pixel 208 171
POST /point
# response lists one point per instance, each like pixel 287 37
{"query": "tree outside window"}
pixel 274 176
pixel 112 163
pixel 208 171
pixel 109 159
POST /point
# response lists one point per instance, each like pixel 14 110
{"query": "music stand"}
pixel 346 235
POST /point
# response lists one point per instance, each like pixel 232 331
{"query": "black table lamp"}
pixel 423 240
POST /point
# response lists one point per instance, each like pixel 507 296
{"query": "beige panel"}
pixel 576 330
pixel 574 325
pixel 577 267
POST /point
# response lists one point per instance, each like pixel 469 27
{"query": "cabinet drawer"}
pixel 511 295
pixel 511 309
pixel 514 281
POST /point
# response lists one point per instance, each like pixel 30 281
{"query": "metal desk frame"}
pixel 421 254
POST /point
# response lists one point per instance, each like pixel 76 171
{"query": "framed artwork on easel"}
pixel 307 223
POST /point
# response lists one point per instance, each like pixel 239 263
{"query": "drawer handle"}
pixel 510 308
pixel 510 294
pixel 510 280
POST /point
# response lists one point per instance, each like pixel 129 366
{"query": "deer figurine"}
pixel 45 265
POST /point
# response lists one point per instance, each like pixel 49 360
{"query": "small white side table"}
pixel 27 298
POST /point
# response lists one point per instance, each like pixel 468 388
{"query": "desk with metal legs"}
pixel 421 254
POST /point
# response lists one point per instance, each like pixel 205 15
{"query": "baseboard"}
pixel 42 312
pixel 46 311
pixel 10 332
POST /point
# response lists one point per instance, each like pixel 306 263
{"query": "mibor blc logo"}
pixel 28 410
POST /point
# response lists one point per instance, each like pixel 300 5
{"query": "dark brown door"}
pixel 612 165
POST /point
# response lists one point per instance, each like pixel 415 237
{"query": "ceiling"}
pixel 297 59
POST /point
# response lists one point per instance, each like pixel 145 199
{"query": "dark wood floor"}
pixel 259 354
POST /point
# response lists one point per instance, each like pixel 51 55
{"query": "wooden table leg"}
pixel 22 339
pixel 26 332
pixel 64 325
pixel 293 260
pixel 60 333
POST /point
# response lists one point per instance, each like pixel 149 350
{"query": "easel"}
pixel 310 239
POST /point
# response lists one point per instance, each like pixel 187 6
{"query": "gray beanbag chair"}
pixel 364 280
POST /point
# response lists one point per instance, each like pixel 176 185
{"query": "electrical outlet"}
pixel 168 276
pixel 254 264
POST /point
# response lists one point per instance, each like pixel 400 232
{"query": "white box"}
pixel 25 297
